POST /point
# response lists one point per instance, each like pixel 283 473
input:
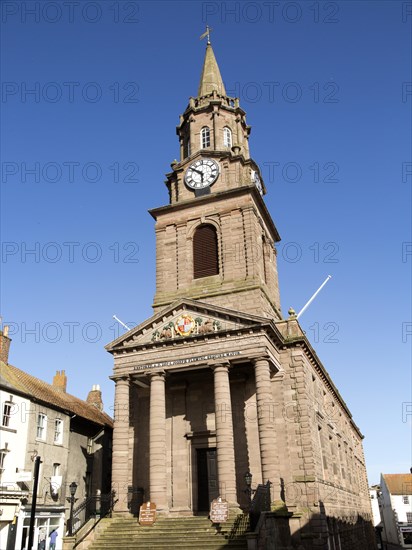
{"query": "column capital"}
pixel 265 359
pixel 220 364
pixel 157 374
pixel 120 378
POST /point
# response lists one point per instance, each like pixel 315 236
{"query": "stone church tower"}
pixel 217 382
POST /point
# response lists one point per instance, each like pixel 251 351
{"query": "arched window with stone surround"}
pixel 205 137
pixel 205 252
pixel 227 137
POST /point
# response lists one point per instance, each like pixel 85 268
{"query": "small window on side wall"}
pixel 205 252
pixel 5 421
pixel 58 431
pixel 41 426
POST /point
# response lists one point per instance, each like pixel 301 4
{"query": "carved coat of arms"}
pixel 185 325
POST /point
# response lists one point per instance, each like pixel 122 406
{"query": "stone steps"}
pixel 188 533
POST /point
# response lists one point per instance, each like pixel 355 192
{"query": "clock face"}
pixel 258 183
pixel 202 173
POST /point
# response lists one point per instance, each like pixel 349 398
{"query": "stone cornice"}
pixel 223 195
pixel 259 329
pixel 222 154
pixel 222 101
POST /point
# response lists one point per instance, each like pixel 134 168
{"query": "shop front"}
pixel 46 521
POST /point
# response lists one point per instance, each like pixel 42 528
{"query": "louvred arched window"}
pixel 205 252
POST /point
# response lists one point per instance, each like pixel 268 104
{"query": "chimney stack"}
pixel 4 345
pixel 60 381
pixel 95 397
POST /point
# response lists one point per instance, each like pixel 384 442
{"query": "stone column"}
pixel 120 455
pixel 157 440
pixel 224 435
pixel 266 426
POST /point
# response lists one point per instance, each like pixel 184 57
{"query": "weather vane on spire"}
pixel 206 33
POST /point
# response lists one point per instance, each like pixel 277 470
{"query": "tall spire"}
pixel 211 78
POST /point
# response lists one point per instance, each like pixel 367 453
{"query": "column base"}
pixel 180 511
pixel 122 514
pixel 234 508
pixel 162 510
pixel 279 508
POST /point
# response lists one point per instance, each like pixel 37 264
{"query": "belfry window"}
pixel 205 137
pixel 227 137
pixel 205 252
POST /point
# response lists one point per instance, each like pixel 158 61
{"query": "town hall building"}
pixel 218 382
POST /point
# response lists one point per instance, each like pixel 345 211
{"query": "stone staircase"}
pixel 183 533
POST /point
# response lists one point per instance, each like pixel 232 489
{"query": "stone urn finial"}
pixel 292 313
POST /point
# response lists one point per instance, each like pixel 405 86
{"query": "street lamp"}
pixel 248 490
pixel 72 500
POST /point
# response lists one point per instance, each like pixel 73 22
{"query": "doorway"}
pixel 207 483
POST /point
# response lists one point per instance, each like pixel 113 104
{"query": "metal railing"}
pixel 95 506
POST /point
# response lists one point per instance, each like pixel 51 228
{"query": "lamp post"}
pixel 248 490
pixel 72 500
pixel 37 461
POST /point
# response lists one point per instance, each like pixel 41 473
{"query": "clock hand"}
pixel 197 171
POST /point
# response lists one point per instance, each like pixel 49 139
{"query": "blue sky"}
pixel 325 88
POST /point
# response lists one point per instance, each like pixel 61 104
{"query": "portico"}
pixel 195 414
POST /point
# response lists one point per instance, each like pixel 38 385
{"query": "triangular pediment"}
pixel 185 319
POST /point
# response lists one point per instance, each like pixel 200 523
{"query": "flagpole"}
pixel 313 297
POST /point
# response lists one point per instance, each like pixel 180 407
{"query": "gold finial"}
pixel 206 33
